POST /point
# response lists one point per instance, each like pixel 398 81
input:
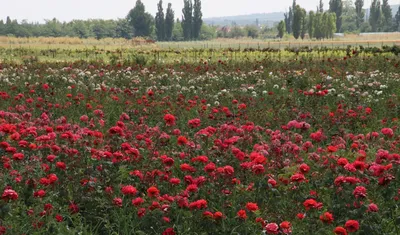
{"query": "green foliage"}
pixel 349 17
pixel 286 20
pixel 311 26
pixel 290 21
pixel 360 13
pixel 177 33
pixel 375 15
pixel 141 21
pixel 80 28
pixel 330 25
pixel 252 31
pixel 281 29
pixel 289 18
pixel 237 32
pixel 169 22
pixel 207 32
pixel 336 6
pixel 324 25
pixel 304 24
pixel 397 21
pixel 320 8
pixel 160 22
pixel 104 28
pixel 187 19
pixel 123 29
pixel 387 16
pixel 2 27
pixel 298 18
pixel 197 19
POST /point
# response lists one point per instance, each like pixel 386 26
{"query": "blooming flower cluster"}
pixel 275 147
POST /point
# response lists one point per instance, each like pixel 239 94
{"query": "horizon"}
pixel 40 10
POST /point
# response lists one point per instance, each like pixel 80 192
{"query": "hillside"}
pixel 263 18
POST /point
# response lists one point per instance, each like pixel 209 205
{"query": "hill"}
pixel 263 18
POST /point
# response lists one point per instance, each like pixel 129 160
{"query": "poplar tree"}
pixel 360 12
pixel 311 16
pixel 304 22
pixel 160 22
pixel 281 29
pixel 169 22
pixel 397 21
pixel 197 19
pixel 336 6
pixel 387 15
pixel 298 15
pixel 187 19
pixel 375 15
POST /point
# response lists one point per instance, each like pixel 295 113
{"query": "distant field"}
pixel 113 44
pixel 142 51
pixel 216 44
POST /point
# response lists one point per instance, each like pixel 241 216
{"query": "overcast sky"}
pixel 66 10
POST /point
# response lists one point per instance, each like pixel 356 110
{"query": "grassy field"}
pixel 139 51
pixel 112 44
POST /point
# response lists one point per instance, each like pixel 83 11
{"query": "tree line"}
pixel 342 16
pixel 137 23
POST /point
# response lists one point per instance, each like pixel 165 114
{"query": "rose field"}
pixel 291 143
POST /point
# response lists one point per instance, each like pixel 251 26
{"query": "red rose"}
pixel 352 225
pixel 272 228
pixel 252 206
pixel 340 231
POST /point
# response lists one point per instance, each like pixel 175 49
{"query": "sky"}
pixel 66 10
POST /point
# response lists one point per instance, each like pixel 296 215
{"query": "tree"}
pixel 324 25
pixel 160 22
pixel 208 32
pixel 140 21
pixel 298 15
pixel 318 26
pixel 187 19
pixel 169 22
pixel 177 32
pixel 336 6
pixel 11 26
pixel 291 17
pixel 197 19
pixel 320 8
pixel 236 32
pixel 387 15
pixel 281 29
pixel 293 6
pixel 52 28
pixel 349 17
pixel 289 21
pixel 397 20
pixel 360 12
pixel 330 24
pixel 103 28
pixel 304 22
pixel 375 15
pixel 286 21
pixel 80 29
pixel 251 31
pixel 123 29
pixel 310 25
pixel 2 27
